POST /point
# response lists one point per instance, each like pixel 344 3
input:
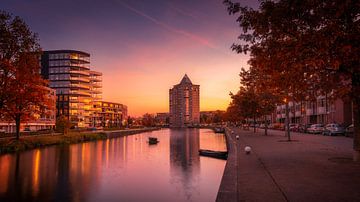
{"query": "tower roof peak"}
pixel 185 79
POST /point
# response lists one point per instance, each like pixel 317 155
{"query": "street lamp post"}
pixel 287 129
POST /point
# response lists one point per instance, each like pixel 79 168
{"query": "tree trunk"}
pixel 254 125
pixel 17 122
pixel 287 120
pixel 356 115
pixel 266 125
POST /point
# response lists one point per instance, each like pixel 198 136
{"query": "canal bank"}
pixel 310 168
pixel 10 144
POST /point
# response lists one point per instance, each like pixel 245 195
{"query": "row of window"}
pixel 56 63
pixel 59 70
pixel 75 56
pixel 62 91
pixel 59 77
pixel 59 84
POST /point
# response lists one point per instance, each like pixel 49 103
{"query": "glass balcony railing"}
pixel 82 86
pixel 79 79
pixel 80 92
pixel 81 72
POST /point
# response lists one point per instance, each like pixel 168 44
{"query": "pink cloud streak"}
pixel 194 37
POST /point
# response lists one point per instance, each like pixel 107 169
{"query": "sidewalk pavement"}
pixel 310 168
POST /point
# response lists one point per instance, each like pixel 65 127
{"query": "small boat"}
pixel 214 154
pixel 153 140
pixel 219 130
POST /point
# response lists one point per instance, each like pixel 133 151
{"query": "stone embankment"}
pixel 308 168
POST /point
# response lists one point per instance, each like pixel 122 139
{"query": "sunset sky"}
pixel 144 47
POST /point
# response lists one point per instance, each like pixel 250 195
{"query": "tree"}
pixel 306 48
pixel 148 120
pixel 265 99
pixel 23 94
pixel 248 103
pixel 232 113
pixel 63 124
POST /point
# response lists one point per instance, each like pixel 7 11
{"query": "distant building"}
pixel 162 118
pixel 77 88
pixel 207 117
pixel 112 114
pixel 323 111
pixel 184 104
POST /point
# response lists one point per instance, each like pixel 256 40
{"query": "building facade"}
pixel 112 114
pixel 184 104
pixel 162 118
pixel 77 88
pixel 323 111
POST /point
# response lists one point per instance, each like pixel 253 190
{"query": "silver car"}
pixel 316 128
pixel 333 129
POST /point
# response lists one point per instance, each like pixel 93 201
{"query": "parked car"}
pixel 349 131
pixel 303 128
pixel 27 130
pixel 294 127
pixel 271 126
pixel 333 129
pixel 316 129
pixel 262 125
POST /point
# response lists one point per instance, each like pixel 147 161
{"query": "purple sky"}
pixel 143 47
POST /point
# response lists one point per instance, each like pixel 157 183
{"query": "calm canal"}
pixel 119 169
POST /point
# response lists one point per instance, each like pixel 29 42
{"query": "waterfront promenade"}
pixel 310 168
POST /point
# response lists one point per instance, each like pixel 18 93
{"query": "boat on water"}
pixel 214 154
pixel 219 130
pixel 153 140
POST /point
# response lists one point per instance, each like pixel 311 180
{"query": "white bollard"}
pixel 247 150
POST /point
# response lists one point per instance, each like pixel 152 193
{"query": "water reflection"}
pixel 116 169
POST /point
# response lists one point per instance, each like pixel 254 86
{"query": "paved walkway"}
pixel 311 168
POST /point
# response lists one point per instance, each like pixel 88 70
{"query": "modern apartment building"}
pixel 112 114
pixel 184 104
pixel 96 97
pixel 77 88
pixel 323 110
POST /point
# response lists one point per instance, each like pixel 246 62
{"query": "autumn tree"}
pixel 63 124
pixel 148 120
pixel 264 97
pixel 248 104
pixel 23 95
pixel 306 48
pixel 232 113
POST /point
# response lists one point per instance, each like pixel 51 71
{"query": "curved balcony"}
pixel 80 72
pixel 80 93
pixel 96 85
pixel 95 73
pixel 81 79
pixel 80 86
pixel 95 91
pixel 94 79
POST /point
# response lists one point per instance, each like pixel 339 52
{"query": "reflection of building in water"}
pixel 184 158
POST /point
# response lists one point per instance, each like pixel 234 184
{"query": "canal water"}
pixel 119 169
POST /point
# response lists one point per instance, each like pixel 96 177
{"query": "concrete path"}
pixel 311 168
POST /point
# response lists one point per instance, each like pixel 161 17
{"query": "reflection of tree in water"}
pixel 184 159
